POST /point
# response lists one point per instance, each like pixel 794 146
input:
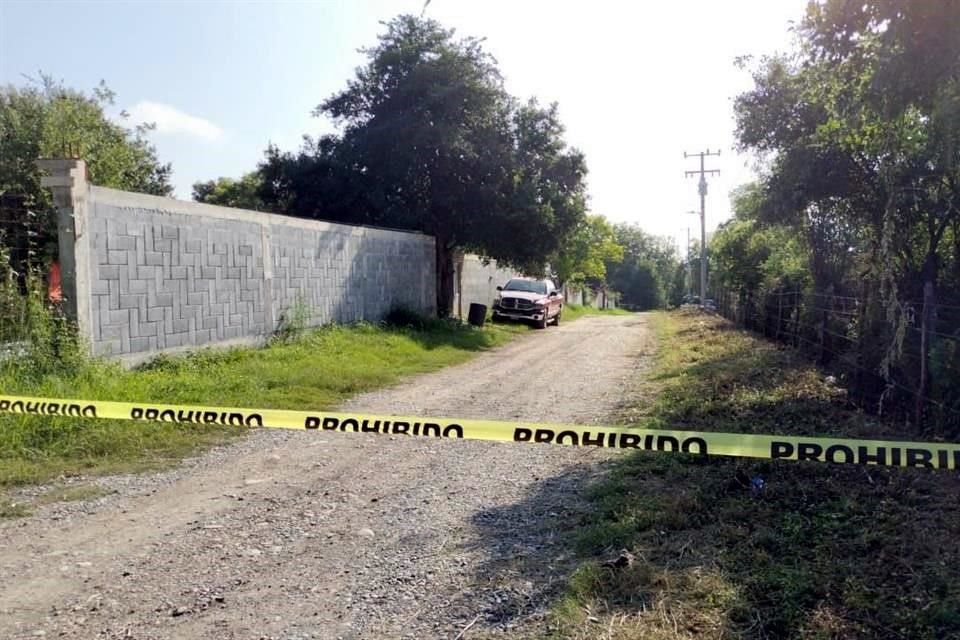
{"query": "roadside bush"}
pixel 35 337
pixel 294 321
pixel 405 318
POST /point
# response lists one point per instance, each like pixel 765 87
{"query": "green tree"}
pixel 585 255
pixel 859 134
pixel 228 192
pixel 647 274
pixel 441 147
pixel 44 119
pixel 321 180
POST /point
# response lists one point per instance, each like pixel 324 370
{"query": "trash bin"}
pixel 477 314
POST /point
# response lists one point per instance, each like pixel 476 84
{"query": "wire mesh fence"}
pixel 876 346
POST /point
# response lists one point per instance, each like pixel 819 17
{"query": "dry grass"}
pixel 828 551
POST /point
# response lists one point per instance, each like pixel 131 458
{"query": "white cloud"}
pixel 171 120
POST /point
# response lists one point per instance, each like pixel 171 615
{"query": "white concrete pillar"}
pixel 67 180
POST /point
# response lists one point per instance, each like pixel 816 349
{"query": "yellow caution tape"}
pixel 777 447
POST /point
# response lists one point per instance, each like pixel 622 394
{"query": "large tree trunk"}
pixel 445 273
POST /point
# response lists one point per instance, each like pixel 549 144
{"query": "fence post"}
pixel 797 314
pixel 928 301
pixel 67 180
pixel 779 314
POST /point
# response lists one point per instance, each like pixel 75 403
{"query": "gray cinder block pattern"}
pixel 478 283
pixel 145 274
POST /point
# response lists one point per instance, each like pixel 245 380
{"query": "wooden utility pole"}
pixel 702 188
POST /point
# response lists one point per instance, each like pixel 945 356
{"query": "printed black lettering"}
pixel 700 443
pixel 350 423
pixel 592 441
pixel 366 427
pixel 956 459
pixel 612 440
pixel 4 405
pixel 919 458
pixel 184 417
pixel 209 417
pixel 431 429
pixel 521 434
pixel 236 419
pixel 809 451
pixel 662 441
pixel 568 435
pixel 453 431
pixel 834 449
pixel 544 436
pixel 74 410
pixel 17 406
pixel 54 409
pixel 864 456
pixel 780 450
pixel 32 407
pixel 330 424
pixel 648 442
pixel 254 420
pixel 416 428
pixel 152 414
pixel 311 422
pixel 943 461
pixel 629 441
pixel 401 427
pixel 136 413
pixel 168 415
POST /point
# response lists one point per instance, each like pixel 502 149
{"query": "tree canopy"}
pixel 430 140
pixel 44 119
pixel 586 253
pixel 227 192
pixel 648 275
pixel 858 136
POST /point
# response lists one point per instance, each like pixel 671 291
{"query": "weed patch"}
pixel 826 551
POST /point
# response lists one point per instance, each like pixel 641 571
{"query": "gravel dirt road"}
pixel 296 535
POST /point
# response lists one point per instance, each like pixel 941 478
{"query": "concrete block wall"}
pixel 572 295
pixel 477 283
pixel 144 274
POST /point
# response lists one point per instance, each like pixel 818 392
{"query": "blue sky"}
pixel 637 83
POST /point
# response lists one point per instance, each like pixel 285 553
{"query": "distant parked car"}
pixel 533 300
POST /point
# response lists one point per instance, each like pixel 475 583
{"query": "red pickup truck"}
pixel 537 301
